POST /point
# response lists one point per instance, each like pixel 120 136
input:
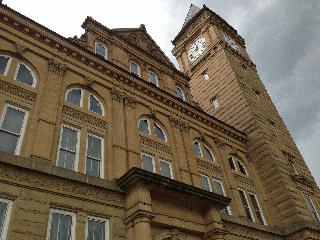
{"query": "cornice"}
pixel 88 58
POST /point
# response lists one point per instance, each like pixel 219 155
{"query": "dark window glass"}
pixel 257 209
pixel 312 209
pixel 93 156
pixel 208 154
pixel 134 69
pixel 165 169
pixel 24 75
pixel 241 168
pixel 144 126
pixel 96 230
pixel 218 188
pixel 68 148
pixel 101 50
pixel 74 96
pixel 3 64
pixel 95 105
pixel 159 132
pixel 231 163
pixel 60 227
pixel 245 205
pixel 153 78
pixel 205 185
pixel 147 163
pixel 3 215
pixel 179 93
pixel 196 149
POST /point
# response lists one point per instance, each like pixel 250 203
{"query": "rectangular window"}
pixel 246 205
pixel 5 209
pixel 12 126
pixel 218 188
pixel 97 228
pixel 61 225
pixel 166 169
pixel 94 161
pixel 148 162
pixel 68 148
pixel 257 208
pixel 205 183
pixel 312 208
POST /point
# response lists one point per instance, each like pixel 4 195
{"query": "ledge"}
pixel 137 175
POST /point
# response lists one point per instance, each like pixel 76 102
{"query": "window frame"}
pixel 6 70
pixel 98 219
pixel 100 103
pixel 156 77
pixel 6 218
pixel 245 169
pixel 170 167
pixel 149 128
pixel 23 126
pixel 105 48
pixel 182 93
pixel 209 150
pixel 209 182
pixel 293 168
pixel 139 73
pixel 62 212
pixel 76 164
pixel 81 98
pixel 259 206
pixel 224 193
pixel 153 161
pixel 199 144
pixel 306 195
pixel 164 132
pixel 34 82
pixel 102 155
pixel 248 202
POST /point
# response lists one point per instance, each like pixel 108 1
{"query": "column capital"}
pixel 56 67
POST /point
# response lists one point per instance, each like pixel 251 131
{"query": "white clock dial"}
pixel 232 43
pixel 196 49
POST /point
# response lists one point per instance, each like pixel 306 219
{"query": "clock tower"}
pixel 225 84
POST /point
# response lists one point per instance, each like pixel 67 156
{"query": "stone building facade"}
pixel 101 137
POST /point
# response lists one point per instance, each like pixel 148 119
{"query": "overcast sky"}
pixel 282 37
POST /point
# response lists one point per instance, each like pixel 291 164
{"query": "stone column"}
pixel 215 230
pixel 49 110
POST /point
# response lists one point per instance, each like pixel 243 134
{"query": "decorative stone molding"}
pixel 205 166
pixel 172 234
pixel 18 91
pixel 84 117
pixel 89 82
pixel 177 123
pixel 56 67
pixel 216 234
pixel 219 142
pixel 153 112
pixel 156 145
pixel 243 180
pixel 124 98
pixel 303 180
pixel 20 49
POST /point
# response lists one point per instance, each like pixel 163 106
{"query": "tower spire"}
pixel 193 10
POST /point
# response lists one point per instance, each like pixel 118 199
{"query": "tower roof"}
pixel 193 10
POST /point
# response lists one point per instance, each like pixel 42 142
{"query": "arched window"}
pixel 153 79
pixel 134 68
pixel 101 50
pixel 202 150
pixel 144 125
pixel 180 93
pixel 25 75
pixel 74 96
pixel 95 105
pixel 160 134
pixel 237 165
pixel 4 64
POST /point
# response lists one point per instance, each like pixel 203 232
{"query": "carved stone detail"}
pixel 84 117
pixel 18 91
pixel 124 98
pixel 153 112
pixel 177 123
pixel 20 49
pixel 205 166
pixel 56 67
pixel 219 142
pixel 153 144
pixel 88 82
pixel 173 234
pixel 243 180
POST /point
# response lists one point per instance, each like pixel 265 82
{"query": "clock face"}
pixel 232 43
pixel 196 49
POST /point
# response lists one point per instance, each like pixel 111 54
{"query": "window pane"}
pixel 153 78
pixel 3 64
pixel 208 154
pixel 24 75
pixel 218 188
pixel 134 68
pixel 257 209
pixel 144 126
pixel 205 185
pixel 96 230
pixel 93 167
pixel 13 120
pixel 312 209
pixel 95 105
pixel 94 147
pixel 179 93
pixel 3 213
pixel 231 163
pixel 69 139
pixel 66 159
pixel 165 169
pixel 60 227
pixel 74 96
pixel 100 50
pixel 147 163
pixel 241 168
pixel 8 142
pixel 159 132
pixel 245 205
pixel 196 149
